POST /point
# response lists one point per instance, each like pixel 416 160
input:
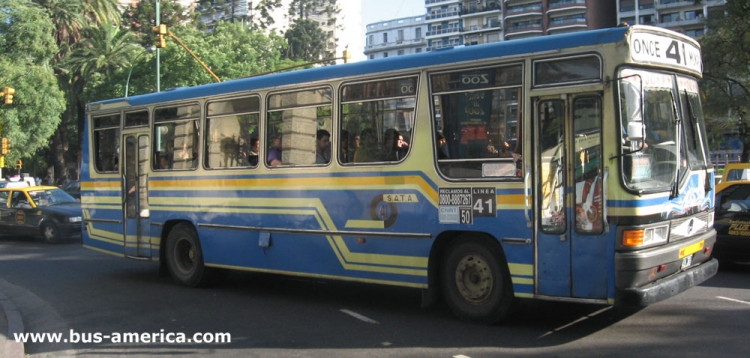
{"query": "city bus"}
pixel 570 167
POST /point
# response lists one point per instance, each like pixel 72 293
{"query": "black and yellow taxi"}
pixel 44 211
pixel 732 222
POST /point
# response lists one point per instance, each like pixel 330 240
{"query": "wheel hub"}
pixel 474 278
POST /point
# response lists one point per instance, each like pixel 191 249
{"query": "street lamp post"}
pixel 127 83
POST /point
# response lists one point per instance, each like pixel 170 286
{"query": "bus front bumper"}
pixel 667 287
pixel 651 275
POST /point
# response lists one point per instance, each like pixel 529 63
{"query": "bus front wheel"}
pixel 476 282
pixel 185 257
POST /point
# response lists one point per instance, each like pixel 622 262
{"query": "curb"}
pixel 11 348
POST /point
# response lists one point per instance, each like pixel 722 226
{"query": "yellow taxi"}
pixel 45 211
pixel 732 222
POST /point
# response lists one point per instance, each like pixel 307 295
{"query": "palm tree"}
pixel 70 18
pixel 104 50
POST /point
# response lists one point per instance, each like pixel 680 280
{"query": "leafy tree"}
pixel 26 48
pixel 306 40
pixel 726 76
pixel 261 17
pixel 141 19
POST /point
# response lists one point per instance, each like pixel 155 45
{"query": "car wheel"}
pixel 185 257
pixel 50 232
pixel 476 280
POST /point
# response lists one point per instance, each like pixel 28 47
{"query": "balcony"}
pixel 486 27
pixel 518 29
pixel 559 24
pixel 481 9
pixel 429 3
pixel 516 12
pixel 680 22
pixel 674 4
pixel 441 15
pixel 560 6
pixel 441 32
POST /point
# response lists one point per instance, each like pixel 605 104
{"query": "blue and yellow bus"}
pixel 571 167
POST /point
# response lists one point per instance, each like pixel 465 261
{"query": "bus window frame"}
pixel 130 111
pixel 206 128
pixel 95 145
pixel 265 117
pixel 520 119
pixel 340 118
pixel 197 123
pixel 535 62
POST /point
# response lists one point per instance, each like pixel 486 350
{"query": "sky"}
pixel 380 10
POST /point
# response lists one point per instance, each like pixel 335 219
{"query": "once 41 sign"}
pixel 649 48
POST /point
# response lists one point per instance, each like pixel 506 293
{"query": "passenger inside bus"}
pixel 252 157
pixel 322 144
pixel 368 151
pixel 274 152
pixel 390 145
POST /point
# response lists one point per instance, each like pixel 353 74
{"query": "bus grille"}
pixel 687 227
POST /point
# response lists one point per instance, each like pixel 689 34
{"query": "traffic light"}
pixel 19 164
pixel 5 146
pixel 9 92
pixel 161 35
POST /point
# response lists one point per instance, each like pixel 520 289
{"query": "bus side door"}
pixel 570 242
pixel 136 214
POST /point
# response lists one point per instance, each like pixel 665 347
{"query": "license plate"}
pixel 687 261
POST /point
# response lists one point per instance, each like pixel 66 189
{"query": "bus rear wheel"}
pixel 185 257
pixel 476 281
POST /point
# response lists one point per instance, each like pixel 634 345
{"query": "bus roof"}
pixel 439 57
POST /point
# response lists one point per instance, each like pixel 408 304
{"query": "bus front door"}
pixel 137 243
pixel 571 259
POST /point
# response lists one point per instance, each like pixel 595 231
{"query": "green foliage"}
pixel 726 76
pixel 26 33
pixel 26 49
pixel 141 18
pixel 307 41
pixel 37 104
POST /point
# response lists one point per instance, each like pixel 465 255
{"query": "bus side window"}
pixel 379 116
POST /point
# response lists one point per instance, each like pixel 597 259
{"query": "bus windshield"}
pixel 657 138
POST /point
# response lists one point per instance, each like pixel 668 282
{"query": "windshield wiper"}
pixel 675 191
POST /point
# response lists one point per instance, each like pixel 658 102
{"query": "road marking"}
pixel 733 300
pixel 359 316
pixel 461 356
pixel 574 322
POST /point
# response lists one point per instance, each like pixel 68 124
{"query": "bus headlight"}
pixel 643 237
pixel 75 219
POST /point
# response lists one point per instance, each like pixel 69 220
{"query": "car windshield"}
pixel 49 197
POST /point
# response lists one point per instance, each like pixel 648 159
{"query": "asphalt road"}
pixel 66 288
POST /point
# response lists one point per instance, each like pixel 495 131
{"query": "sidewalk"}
pixel 10 323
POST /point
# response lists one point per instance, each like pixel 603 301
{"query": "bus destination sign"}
pixel 658 49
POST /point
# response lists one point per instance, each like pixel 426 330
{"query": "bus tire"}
pixel 185 257
pixel 476 281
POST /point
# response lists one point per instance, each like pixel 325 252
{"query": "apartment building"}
pixel 396 37
pixel 684 16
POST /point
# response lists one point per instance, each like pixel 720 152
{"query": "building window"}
pixel 400 52
pixel 385 37
pixel 370 40
pixel 385 54
pixel 400 36
pixel 418 33
pixel 419 49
